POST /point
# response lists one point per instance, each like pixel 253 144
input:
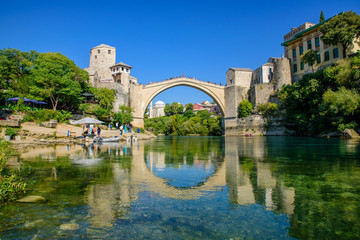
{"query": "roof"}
pixel 122 65
pixel 300 34
pixel 103 46
pixel 159 103
pixel 241 69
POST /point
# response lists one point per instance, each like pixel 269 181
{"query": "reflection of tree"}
pixel 324 177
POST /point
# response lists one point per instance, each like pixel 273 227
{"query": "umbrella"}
pixel 87 120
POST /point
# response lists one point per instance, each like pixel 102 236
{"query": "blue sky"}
pixel 163 39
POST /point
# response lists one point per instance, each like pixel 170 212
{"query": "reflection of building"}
pixel 305 37
pixel 157 110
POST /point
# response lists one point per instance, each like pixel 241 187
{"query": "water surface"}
pixel 192 188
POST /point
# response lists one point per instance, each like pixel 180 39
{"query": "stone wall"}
pixel 260 93
pixel 122 97
pixel 255 125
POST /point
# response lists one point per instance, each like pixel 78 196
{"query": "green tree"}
pixel 341 102
pixel 343 28
pixel 322 17
pixel 189 106
pixel 245 108
pixel 54 77
pixel 15 68
pixel 309 57
pixel 124 116
pixel 105 96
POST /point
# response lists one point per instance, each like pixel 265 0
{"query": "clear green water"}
pixel 192 188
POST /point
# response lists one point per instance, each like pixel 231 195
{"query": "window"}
pixel 318 58
pixel 294 52
pixel 95 56
pixel 317 42
pixel 109 51
pixel 309 44
pixel 295 68
pixel 336 52
pixel 302 66
pixel 98 51
pixel 301 50
pixel 327 56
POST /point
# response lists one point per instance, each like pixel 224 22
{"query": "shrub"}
pixel 245 108
pixel 43 115
pixel 14 182
pixel 268 109
pixel 11 132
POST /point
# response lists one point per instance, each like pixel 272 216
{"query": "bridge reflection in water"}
pixel 237 165
pixel 110 201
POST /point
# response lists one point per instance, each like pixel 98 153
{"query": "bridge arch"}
pixel 216 92
pixel 142 95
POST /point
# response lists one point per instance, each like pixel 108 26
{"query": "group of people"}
pixel 125 128
pixel 91 129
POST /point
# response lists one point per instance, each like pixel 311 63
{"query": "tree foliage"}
pixel 105 96
pixel 174 108
pixel 245 108
pixel 309 57
pixel 57 78
pixel 322 17
pixel 325 100
pixel 343 28
pixel 203 123
pixel 124 116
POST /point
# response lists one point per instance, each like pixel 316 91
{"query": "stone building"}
pixel 308 36
pixel 105 73
pixel 157 110
pixel 259 85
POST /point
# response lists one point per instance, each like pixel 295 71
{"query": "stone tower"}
pixel 282 72
pixel 102 57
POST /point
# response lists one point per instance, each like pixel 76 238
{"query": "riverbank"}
pixel 33 134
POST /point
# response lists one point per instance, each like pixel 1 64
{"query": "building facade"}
pixel 105 73
pixel 306 37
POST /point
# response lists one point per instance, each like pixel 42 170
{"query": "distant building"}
pixel 206 105
pixel 157 110
pixel 305 37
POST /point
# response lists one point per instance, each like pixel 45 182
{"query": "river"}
pixel 192 188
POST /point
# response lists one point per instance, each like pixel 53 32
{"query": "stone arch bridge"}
pixel 141 96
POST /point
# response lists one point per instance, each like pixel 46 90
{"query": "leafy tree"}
pixel 341 102
pixel 105 96
pixel 174 108
pixel 245 108
pixel 54 77
pixel 309 57
pixel 322 17
pixel 268 109
pixel 343 28
pixel 189 106
pixel 15 68
pixel 189 113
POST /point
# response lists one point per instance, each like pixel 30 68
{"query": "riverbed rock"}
pixel 349 133
pixel 31 199
pixel 69 226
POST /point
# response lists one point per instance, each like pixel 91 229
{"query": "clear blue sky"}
pixel 163 39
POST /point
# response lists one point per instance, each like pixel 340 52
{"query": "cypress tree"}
pixel 322 17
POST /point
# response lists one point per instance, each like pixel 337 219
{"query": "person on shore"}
pixel 98 131
pixel 121 130
pixel 117 125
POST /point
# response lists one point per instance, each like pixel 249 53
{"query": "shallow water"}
pixel 192 188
